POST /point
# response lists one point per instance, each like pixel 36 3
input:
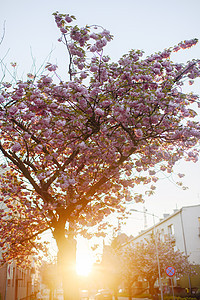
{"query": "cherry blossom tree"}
pixel 76 150
pixel 140 260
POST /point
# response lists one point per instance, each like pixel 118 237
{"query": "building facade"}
pixel 15 282
pixel 183 228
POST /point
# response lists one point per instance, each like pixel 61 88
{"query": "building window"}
pixel 19 277
pixel 13 281
pixel 171 230
pixel 162 235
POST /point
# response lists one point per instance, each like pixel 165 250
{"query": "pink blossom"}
pixel 83 75
pixel 16 147
pixel 106 103
pixel 72 181
pixel 191 82
pixel 93 48
pixel 68 19
pixel 80 66
pixel 106 33
pixel 94 36
pixel 99 112
pixel 22 106
pixel 152 172
pixel 181 175
pixel 13 110
pixel 101 43
pixel 47 80
pixel 63 30
pixel 1 99
pixel 82 145
pixel 93 68
pixel 48 133
pixel 41 176
pixel 60 123
pixel 51 67
pixel 27 135
pixel 138 133
pixel 163 168
pixel 105 58
pixel 38 148
pixel 152 187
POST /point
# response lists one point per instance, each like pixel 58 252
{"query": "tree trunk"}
pixel 152 289
pixel 51 294
pixel 115 293
pixel 66 259
pixel 130 292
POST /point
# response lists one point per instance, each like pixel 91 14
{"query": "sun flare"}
pixel 84 257
pixel 83 266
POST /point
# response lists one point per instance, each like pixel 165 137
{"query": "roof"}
pixel 176 212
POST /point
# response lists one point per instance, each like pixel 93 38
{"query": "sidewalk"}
pixel 126 298
pixel 119 298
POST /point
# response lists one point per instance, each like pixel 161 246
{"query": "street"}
pixel 119 298
pixel 126 298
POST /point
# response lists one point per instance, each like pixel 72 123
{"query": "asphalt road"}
pixel 126 298
pixel 119 298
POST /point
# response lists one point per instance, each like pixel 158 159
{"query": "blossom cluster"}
pixel 81 40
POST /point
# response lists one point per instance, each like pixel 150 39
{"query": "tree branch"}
pixel 184 71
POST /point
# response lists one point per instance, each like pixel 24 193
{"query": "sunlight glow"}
pixel 83 266
pixel 84 259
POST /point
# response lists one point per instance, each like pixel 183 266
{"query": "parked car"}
pixel 103 295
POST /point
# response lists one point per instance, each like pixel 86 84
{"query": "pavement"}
pixel 119 298
pixel 126 298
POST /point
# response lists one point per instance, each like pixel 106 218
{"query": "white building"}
pixel 183 226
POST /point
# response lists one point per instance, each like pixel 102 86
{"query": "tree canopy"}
pixel 76 150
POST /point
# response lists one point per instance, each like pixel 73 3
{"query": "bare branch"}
pixel 4 31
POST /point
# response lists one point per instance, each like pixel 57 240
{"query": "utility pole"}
pixel 145 217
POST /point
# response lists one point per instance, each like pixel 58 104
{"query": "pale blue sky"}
pixel 148 25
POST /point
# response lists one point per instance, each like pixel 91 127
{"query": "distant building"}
pixel 183 227
pixel 15 282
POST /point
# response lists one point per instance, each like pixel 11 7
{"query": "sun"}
pixel 84 258
pixel 83 265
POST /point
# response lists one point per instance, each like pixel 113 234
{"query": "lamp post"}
pixel 156 243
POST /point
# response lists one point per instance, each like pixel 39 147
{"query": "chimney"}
pixel 165 215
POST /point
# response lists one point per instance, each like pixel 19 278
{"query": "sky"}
pixel 31 39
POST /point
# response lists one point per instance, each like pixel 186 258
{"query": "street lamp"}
pixel 156 243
